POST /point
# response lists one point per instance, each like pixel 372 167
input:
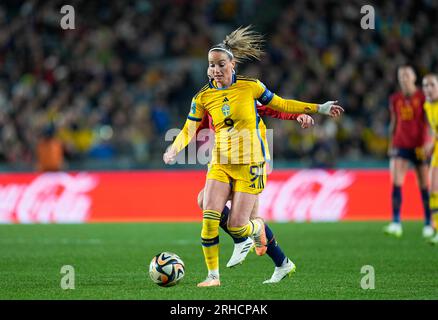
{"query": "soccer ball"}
pixel 166 269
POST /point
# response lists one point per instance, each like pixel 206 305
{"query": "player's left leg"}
pixel 249 181
pixel 242 246
pixel 239 223
pixel 422 170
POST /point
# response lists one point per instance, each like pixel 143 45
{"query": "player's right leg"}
pixel 242 246
pixel 215 197
pixel 398 169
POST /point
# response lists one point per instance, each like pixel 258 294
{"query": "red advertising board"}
pixel 290 195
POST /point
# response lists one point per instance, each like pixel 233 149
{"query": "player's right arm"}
pixel 189 130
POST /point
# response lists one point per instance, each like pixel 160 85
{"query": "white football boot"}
pixel 240 252
pixel 287 268
pixel 394 229
pixel 428 231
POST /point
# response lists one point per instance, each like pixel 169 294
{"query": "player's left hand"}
pixel 305 121
pixel 331 109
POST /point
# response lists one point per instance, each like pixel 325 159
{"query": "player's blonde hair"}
pixel 242 44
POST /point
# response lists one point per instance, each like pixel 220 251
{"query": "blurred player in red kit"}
pixel 408 135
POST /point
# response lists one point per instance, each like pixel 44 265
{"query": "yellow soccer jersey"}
pixel 431 109
pixel 239 131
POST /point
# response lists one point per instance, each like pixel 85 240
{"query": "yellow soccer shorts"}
pixel 247 178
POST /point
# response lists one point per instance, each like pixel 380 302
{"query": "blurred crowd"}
pixel 113 86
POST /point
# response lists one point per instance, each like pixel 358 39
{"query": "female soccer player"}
pixel 242 246
pixel 408 129
pixel 430 88
pixel 238 156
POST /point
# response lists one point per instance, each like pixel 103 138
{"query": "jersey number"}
pixel 257 173
pixel 229 122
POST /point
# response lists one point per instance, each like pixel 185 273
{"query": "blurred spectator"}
pixel 126 74
pixel 49 151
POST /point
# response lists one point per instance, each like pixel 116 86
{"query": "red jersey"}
pixel 411 123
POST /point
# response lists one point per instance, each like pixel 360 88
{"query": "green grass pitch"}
pixel 111 262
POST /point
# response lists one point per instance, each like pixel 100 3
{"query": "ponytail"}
pixel 242 44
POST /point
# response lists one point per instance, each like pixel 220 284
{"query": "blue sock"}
pixel 223 225
pixel 274 251
pixel 427 213
pixel 396 203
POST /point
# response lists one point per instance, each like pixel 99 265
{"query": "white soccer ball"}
pixel 166 269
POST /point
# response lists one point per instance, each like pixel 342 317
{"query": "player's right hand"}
pixel 169 156
pixel 305 121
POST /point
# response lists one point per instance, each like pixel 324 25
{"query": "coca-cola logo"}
pixel 50 197
pixel 309 195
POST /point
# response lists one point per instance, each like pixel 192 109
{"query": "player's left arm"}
pixel 275 102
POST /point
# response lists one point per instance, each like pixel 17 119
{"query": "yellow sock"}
pixel 210 238
pixel 247 230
